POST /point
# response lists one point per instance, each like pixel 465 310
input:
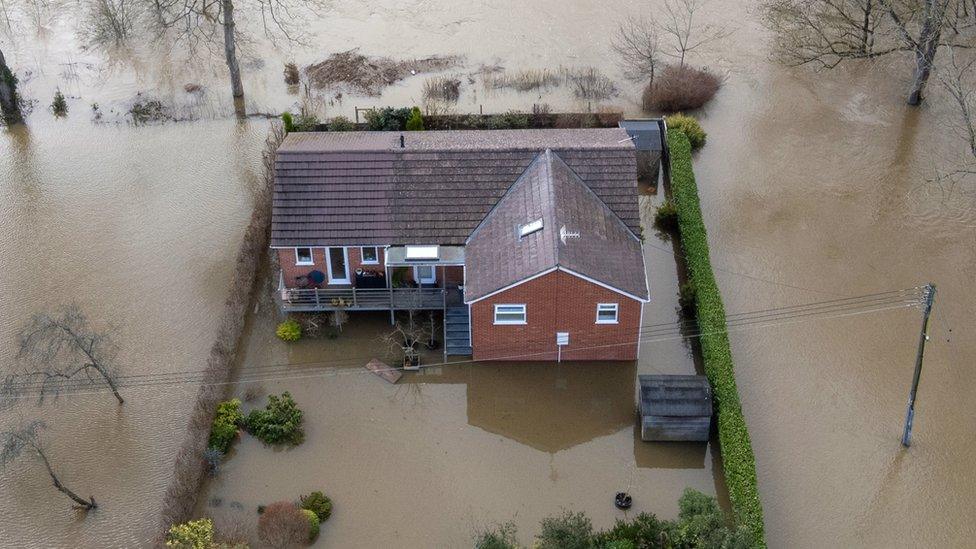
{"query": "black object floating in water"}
pixel 623 500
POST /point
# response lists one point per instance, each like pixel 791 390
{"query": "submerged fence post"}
pixel 906 437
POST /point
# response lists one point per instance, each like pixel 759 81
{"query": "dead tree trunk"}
pixel 82 503
pixel 230 52
pixel 9 107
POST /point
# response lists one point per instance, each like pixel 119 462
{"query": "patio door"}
pixel 425 274
pixel 338 266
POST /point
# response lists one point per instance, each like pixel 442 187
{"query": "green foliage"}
pixel 288 121
pixel 279 423
pixel 499 537
pixel 340 124
pixel 289 330
pixel 313 524
pixel 687 297
pixel 318 503
pixel 226 422
pixel 688 124
pixel 642 532
pixel 737 457
pixel 387 118
pixel 60 105
pixel 306 122
pixel 195 534
pixel 566 531
pixel 666 217
pixel 416 121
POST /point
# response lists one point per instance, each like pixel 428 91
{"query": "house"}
pixel 527 240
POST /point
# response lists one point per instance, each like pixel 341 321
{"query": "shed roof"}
pixel 579 233
pixel 675 396
pixel 362 188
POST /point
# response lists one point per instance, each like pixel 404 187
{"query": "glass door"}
pixel 425 274
pixel 338 266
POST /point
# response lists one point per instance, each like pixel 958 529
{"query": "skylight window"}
pixel 420 253
pixel 529 228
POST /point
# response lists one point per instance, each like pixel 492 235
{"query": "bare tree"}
pixel 200 21
pixel 26 440
pixel 62 351
pixel 686 34
pixel 283 525
pixel 826 33
pixel 9 103
pixel 404 338
pixel 108 22
pixel 958 77
pixel 636 43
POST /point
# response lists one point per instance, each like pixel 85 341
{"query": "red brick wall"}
pixel 556 302
pixel 286 257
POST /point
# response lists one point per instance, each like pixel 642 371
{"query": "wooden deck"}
pixel 361 299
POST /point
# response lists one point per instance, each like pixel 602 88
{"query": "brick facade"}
pixel 556 302
pixel 287 259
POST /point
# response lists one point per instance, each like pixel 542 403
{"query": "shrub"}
pixel 688 124
pixel 60 105
pixel 227 420
pixel 681 88
pixel 306 122
pixel 195 534
pixel 318 503
pixel 292 76
pixel 280 422
pixel 737 457
pixel 566 531
pixel 387 118
pixel 509 120
pixel 289 330
pixel 644 531
pixel 288 121
pixel 499 537
pixel 666 217
pixel 340 124
pixel 283 524
pixel 415 123
pixel 687 297
pixel 313 524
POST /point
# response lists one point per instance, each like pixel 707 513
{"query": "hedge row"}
pixel 737 457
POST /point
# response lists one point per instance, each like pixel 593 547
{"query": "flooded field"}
pixel 813 186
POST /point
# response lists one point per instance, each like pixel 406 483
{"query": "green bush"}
pixel 499 537
pixel 738 460
pixel 387 119
pixel 318 503
pixel 313 524
pixel 416 121
pixel 666 217
pixel 566 531
pixel 688 124
pixel 289 330
pixel 687 297
pixel 644 531
pixel 288 121
pixel 279 423
pixel 226 422
pixel 195 534
pixel 341 124
pixel 59 106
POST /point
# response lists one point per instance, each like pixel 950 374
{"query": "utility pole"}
pixel 906 437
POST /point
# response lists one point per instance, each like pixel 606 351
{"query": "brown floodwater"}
pixel 813 185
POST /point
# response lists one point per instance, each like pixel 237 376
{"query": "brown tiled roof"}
pixel 353 188
pixel 579 234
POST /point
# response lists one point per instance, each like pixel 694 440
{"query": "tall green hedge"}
pixel 737 457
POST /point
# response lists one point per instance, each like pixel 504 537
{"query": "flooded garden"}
pixel 814 185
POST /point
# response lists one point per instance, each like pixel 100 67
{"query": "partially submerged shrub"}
pixel 313 524
pixel 681 88
pixel 195 534
pixel 283 524
pixel 687 297
pixel 387 119
pixel 442 88
pixel 213 457
pixel 590 83
pixel 60 105
pixel 292 76
pixel 279 423
pixel 318 503
pixel 566 531
pixel 644 531
pixel 688 124
pixel 289 330
pixel 226 422
pixel 340 124
pixel 416 121
pixel 666 217
pixel 499 537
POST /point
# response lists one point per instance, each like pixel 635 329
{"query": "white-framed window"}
pixel 303 256
pixel 606 313
pixel 510 314
pixel 370 255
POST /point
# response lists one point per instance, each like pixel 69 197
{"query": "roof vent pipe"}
pixel 401 140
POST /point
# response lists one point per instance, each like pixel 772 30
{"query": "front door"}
pixel 425 274
pixel 338 266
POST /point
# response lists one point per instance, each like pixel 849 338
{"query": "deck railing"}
pixel 364 299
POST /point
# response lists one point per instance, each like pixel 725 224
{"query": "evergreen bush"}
pixel 318 503
pixel 195 534
pixel 227 421
pixel 690 126
pixel 289 330
pixel 279 423
pixel 416 121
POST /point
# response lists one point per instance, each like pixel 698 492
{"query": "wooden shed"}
pixel 675 408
